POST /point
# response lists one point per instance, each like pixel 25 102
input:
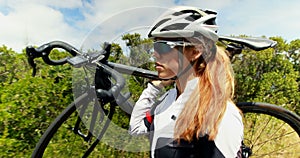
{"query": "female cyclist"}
pixel 197 118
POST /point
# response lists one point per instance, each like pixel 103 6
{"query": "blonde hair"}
pixel 203 112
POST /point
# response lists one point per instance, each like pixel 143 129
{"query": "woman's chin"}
pixel 164 76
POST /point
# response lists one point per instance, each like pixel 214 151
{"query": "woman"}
pixel 197 118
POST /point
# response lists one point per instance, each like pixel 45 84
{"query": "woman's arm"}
pixel 143 105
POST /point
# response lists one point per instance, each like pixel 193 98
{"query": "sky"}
pixel 82 23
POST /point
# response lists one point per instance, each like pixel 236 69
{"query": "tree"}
pixel 139 55
pixel 29 104
pixel 268 76
pixel 11 66
pixel 293 53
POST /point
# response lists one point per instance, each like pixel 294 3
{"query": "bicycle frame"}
pixel 115 70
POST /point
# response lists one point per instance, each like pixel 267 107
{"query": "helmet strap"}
pixel 182 71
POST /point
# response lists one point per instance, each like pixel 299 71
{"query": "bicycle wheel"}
pixel 69 136
pixel 270 131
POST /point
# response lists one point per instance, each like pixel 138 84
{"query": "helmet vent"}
pixel 157 25
pixel 189 11
pixel 211 22
pixel 177 13
pixel 184 22
pixel 177 26
pixel 193 17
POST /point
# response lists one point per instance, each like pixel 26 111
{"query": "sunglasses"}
pixel 162 47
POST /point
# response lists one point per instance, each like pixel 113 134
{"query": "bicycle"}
pixel 97 102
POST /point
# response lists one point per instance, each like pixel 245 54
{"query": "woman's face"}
pixel 167 64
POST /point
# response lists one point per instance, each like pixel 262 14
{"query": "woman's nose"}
pixel 155 55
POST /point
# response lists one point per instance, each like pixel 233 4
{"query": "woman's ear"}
pixel 196 54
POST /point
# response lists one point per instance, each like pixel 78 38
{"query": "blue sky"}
pixel 34 22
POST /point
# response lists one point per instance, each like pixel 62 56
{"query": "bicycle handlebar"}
pixel 113 69
pixel 44 51
pixel 78 60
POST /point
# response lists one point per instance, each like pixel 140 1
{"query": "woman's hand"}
pixel 161 84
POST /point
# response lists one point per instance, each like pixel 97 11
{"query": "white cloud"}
pixel 101 10
pixel 132 20
pixel 33 23
pixel 211 4
pixel 36 22
pixel 259 18
pixel 53 3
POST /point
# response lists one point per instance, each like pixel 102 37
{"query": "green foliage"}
pixel 138 56
pixel 116 53
pixel 268 76
pixel 139 49
pixel 29 104
pixel 12 66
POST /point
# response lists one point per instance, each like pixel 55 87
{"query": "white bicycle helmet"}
pixel 183 21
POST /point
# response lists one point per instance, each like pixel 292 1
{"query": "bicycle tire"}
pixel 270 130
pixel 48 135
pixel 45 139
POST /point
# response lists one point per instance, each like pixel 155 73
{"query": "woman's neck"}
pixel 181 83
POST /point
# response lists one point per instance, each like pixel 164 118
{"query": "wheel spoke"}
pixel 279 152
pixel 262 130
pixel 268 132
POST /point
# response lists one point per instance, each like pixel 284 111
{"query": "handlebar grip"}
pixel 44 51
pixel 46 48
pixel 120 81
pixel 113 94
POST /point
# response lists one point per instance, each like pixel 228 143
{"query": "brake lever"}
pixel 31 55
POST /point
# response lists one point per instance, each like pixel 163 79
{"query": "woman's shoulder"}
pixel 232 108
pixel 232 115
pixel 230 132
